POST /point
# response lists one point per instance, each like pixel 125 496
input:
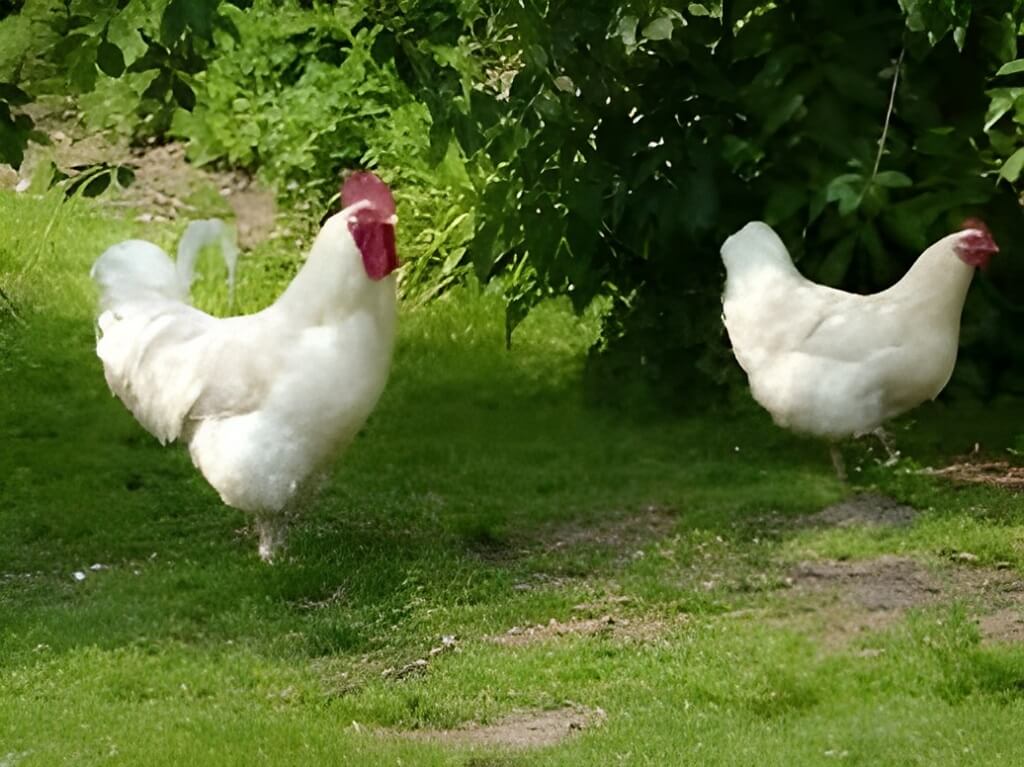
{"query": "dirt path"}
pixel 166 186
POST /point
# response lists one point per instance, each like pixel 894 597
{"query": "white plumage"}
pixel 263 401
pixel 836 364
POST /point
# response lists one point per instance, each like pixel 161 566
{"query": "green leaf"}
pixel 846 191
pixel 1001 101
pixel 125 175
pixel 783 113
pixel 659 29
pixel 183 94
pixel 893 179
pixel 110 59
pixel 960 37
pixel 537 56
pixel 784 201
pixel 97 185
pixel 173 21
pixel 837 263
pixel 13 95
pixel 626 31
pixel 14 136
pixel 1012 167
pixel 82 68
pixel 200 17
pixel 1011 68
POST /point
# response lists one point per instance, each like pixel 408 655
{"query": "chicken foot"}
pixel 883 437
pixel 273 531
pixel 273 528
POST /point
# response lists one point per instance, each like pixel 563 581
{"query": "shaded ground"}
pixel 871 509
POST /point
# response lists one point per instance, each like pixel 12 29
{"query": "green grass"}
pixel 483 494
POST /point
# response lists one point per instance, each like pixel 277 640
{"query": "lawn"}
pixel 493 560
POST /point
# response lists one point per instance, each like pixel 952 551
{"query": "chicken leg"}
pixel 837 462
pixel 883 437
pixel 273 531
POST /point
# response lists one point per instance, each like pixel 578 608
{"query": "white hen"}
pixel 834 364
pixel 265 400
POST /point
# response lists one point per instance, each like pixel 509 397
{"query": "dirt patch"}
pixel 886 583
pixel 624 534
pixel 1006 625
pixel 165 185
pixel 866 509
pixel 607 626
pixel 165 182
pixel 523 730
pixel 996 473
pixel 620 531
pixel 845 599
pixel 853 598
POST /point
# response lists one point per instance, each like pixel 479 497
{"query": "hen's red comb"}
pixel 976 223
pixel 976 245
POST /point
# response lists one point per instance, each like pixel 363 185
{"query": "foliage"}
pixel 300 97
pixel 15 128
pixel 613 147
pixel 605 149
pixel 77 41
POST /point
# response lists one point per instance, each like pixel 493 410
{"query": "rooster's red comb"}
pixel 363 185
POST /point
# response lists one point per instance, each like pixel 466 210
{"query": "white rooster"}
pixel 834 364
pixel 263 401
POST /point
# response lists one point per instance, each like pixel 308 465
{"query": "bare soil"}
pixel 624 531
pixel 642 629
pixel 522 730
pixel 165 186
pixel 1006 625
pixel 845 599
pixel 867 509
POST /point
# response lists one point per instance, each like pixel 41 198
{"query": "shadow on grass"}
pixel 474 461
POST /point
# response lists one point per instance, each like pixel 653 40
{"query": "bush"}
pixel 614 146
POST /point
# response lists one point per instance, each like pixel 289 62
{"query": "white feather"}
pixel 835 364
pixel 262 400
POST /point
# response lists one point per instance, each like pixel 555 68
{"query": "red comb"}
pixel 363 185
pixel 975 223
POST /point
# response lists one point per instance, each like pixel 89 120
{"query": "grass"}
pixel 484 494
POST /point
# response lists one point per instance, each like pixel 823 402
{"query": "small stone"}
pixel 78 575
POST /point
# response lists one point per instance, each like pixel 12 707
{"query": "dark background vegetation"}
pixel 594 150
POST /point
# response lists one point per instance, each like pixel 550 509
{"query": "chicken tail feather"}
pixel 136 270
pixel 198 235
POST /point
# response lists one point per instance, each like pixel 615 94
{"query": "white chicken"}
pixel 263 401
pixel 834 364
